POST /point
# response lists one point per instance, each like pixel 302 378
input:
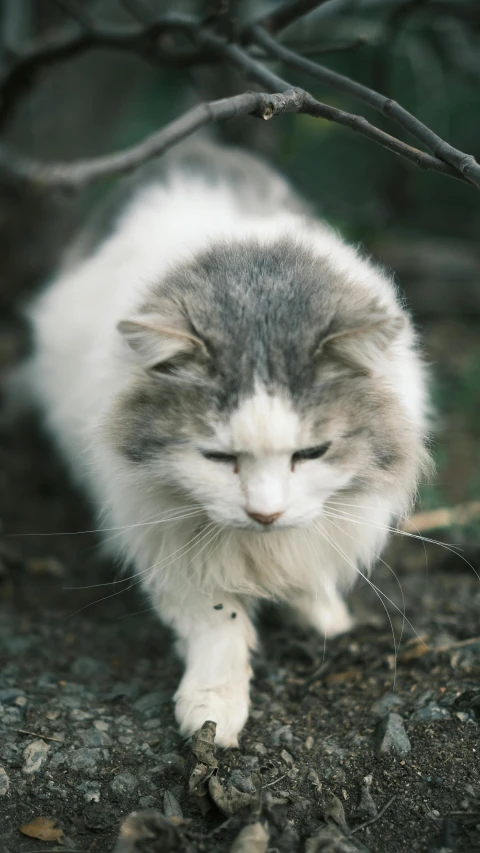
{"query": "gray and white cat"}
pixel 239 392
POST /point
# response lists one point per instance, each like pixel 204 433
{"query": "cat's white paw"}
pixel 329 617
pixel 227 705
pixel 333 619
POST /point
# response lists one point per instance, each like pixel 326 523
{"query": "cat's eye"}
pixel 214 456
pixel 310 453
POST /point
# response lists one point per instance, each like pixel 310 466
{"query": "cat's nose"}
pixel 264 519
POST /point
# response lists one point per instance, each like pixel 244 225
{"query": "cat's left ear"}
pixel 364 343
pixel 162 342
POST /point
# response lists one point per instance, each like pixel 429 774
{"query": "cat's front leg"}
pixel 326 613
pixel 215 637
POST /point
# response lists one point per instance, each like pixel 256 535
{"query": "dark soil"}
pixel 87 732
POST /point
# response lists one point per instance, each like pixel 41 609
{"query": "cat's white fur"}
pixel 80 366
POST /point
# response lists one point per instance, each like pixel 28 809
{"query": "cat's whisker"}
pixel 381 560
pixel 162 520
pixel 356 519
pixel 380 595
pixel 137 575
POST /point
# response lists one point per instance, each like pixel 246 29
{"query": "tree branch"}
pixel 465 163
pixel 42 53
pixel 255 71
pixel 208 45
pixel 288 13
pixel 82 173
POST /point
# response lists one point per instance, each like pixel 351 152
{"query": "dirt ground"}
pixel 87 674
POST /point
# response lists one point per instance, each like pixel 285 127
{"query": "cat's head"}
pixel 263 380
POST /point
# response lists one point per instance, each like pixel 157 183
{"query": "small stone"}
pixel 260 748
pixel 392 737
pixel 4 782
pixel 314 778
pixel 10 694
pixel 242 781
pixel 171 806
pixel 87 667
pixel 309 742
pixel 287 758
pixel 168 761
pixel 429 714
pixel 149 704
pixel 35 755
pixel 282 735
pixel 383 706
pixel 93 737
pixel 367 808
pixel 147 802
pixel 85 760
pixel 57 760
pixel 98 817
pixel 101 725
pixel 124 784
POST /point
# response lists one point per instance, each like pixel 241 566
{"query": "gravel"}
pixel 392 737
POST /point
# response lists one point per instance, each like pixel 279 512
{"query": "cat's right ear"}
pixel 162 344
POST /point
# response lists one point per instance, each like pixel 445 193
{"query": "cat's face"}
pixel 253 391
pixel 258 468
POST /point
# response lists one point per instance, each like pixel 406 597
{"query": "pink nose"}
pixel 264 519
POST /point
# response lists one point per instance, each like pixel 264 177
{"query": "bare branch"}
pixel 465 163
pixel 209 45
pixel 255 71
pixel 76 11
pixel 32 60
pixel 82 173
pixel 288 13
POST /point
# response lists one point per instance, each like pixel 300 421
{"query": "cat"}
pixel 241 394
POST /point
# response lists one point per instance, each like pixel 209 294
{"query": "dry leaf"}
pixel 42 828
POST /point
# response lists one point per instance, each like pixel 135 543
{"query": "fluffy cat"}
pixel 240 393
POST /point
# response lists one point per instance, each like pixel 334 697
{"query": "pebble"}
pixel 57 760
pixel 86 759
pixel 10 694
pixel 35 755
pixel 287 758
pixel 124 784
pixel 282 735
pixel 4 782
pixel 93 737
pixel 171 806
pixel 148 802
pixel 149 704
pixel 429 714
pixel 392 737
pixel 87 667
pixel 367 807
pixel 242 781
pixel 383 706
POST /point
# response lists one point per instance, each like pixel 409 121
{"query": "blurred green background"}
pixel 422 225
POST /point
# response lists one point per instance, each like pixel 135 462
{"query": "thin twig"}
pixel 82 173
pixel 373 819
pixel 78 12
pixel 443 517
pixel 274 781
pixel 255 71
pixel 288 13
pixel 23 70
pixel 464 163
pixel 35 734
